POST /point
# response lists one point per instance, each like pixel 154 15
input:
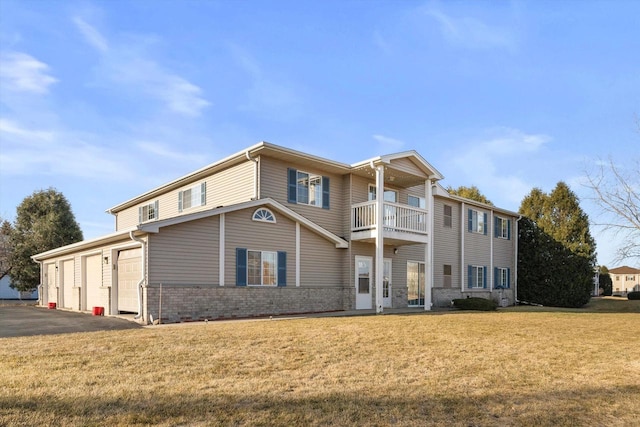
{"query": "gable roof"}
pixel 624 270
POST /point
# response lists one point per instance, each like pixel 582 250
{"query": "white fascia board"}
pixel 83 244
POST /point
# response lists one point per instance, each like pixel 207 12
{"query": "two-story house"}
pixel 625 279
pixel 270 230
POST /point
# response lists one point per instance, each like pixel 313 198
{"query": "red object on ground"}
pixel 98 311
pixel 52 306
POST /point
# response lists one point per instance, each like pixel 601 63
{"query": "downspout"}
pixel 144 271
pixel 255 175
pixel 515 273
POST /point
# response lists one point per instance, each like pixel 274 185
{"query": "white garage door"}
pixel 129 274
pixel 52 291
pixel 67 283
pixel 93 276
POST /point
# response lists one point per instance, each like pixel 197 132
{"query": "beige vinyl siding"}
pixel 225 188
pixel 321 262
pixel 273 184
pixel 242 232
pixel 446 244
pixel 407 166
pixel 476 245
pixel 185 253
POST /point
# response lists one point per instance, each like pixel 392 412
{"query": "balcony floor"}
pixel 391 238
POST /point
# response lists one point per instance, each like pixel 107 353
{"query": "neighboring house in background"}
pixel 625 279
pixel 270 230
pixel 7 292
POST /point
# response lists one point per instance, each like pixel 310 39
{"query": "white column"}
pixel 491 232
pixel 297 254
pixel 379 236
pixel 221 251
pixel 463 230
pixel 428 255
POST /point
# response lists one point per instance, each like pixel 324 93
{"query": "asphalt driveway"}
pixel 28 320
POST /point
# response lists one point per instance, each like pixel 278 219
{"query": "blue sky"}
pixel 104 100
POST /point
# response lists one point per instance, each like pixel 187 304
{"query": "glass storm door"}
pixel 363 276
pixel 386 285
pixel 415 283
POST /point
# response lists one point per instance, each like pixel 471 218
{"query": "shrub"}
pixel 633 295
pixel 481 304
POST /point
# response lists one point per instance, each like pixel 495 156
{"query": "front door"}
pixel 363 279
pixel 415 283
pixel 386 285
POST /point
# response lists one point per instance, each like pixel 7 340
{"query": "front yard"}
pixel 512 367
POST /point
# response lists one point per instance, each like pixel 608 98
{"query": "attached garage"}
pixel 93 280
pixel 129 273
pixel 67 281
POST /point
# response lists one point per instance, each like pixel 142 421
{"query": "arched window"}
pixel 264 215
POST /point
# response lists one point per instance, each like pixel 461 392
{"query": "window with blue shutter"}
pixel 477 222
pixel 241 267
pixel 325 192
pixel 307 189
pixel 470 276
pixel 477 276
pixel 471 211
pixel 484 277
pixel 292 185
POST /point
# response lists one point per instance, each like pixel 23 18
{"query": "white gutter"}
pixel 144 271
pixel 255 174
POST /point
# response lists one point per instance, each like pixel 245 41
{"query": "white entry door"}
pixel 386 285
pixel 363 279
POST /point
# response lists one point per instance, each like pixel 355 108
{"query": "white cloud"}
pixel 387 144
pixel 13 129
pixel 20 72
pixel 161 150
pixel 494 164
pixel 128 65
pixel 471 32
pixel 91 35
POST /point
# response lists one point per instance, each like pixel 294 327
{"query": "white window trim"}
pixel 317 197
pixel 391 190
pixel 503 281
pixel 477 218
pixel 149 206
pixel 264 215
pixel 504 228
pixel 197 192
pixel 475 269
pixel 275 276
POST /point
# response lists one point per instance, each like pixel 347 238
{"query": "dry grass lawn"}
pixel 460 368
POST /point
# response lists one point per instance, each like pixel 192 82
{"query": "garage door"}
pixel 52 291
pixel 93 276
pixel 67 283
pixel 129 274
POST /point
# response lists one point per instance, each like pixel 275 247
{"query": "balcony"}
pixel 402 224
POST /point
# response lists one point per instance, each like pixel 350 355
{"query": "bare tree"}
pixel 616 190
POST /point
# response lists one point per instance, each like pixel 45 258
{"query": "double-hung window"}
pixel 502 228
pixel 501 278
pixel 477 221
pixel 308 188
pixel 193 197
pixel 148 212
pixel 477 277
pixel 260 268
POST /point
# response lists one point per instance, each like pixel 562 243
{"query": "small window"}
pixel 630 278
pixel 477 221
pixel 501 278
pixel 388 196
pixel 477 277
pixel 502 228
pixel 446 274
pixel 148 212
pixel 193 197
pixel 308 189
pixel 264 215
pixel 448 216
pixel 417 202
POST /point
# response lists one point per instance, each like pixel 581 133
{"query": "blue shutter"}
pixel 496 279
pixel 484 277
pixel 180 198
pixel 495 226
pixel 470 220
pixel 508 229
pixel 241 267
pixel 486 225
pixel 325 192
pixel 508 278
pixel 470 276
pixel 203 193
pixel 292 185
pixel 282 268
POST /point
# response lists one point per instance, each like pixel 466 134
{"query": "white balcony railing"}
pixel 395 217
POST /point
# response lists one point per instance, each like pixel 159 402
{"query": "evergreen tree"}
pixel 472 193
pixel 556 252
pixel 44 221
